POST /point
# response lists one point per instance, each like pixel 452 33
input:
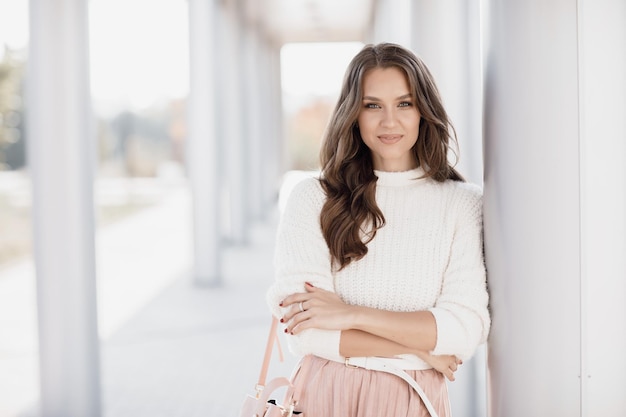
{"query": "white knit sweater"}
pixel 428 256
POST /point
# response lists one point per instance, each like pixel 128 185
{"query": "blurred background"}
pixel 146 147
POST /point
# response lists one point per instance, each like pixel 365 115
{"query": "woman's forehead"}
pixel 385 82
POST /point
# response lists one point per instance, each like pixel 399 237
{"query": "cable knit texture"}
pixel 428 256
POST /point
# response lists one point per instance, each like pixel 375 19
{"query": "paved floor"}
pixel 169 348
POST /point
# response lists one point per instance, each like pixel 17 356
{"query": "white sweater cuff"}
pixel 322 343
pixel 451 338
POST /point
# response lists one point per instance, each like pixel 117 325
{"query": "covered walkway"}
pixel 535 87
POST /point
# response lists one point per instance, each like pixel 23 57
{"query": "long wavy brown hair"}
pixel 350 216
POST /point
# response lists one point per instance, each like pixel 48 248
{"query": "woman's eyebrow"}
pixel 372 98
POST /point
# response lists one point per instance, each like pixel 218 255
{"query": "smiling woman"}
pixel 379 261
pixel 389 120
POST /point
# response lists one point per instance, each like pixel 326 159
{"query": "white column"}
pixel 264 103
pixel 276 148
pixel 392 22
pixel 255 113
pixel 202 150
pixel 602 101
pixel 234 167
pixel 61 160
pixel 555 207
pixel 446 35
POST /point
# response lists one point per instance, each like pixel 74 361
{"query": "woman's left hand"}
pixel 446 364
pixel 316 309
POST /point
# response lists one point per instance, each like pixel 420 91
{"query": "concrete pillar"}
pixel 268 152
pixel 446 35
pixel 61 159
pixel 202 148
pixel 256 111
pixel 602 101
pixel 276 146
pixel 555 207
pixel 234 167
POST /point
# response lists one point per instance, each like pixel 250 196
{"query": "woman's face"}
pixel 389 119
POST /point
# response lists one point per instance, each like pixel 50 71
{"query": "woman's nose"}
pixel 389 118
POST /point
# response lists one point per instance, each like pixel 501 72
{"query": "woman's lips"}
pixel 389 139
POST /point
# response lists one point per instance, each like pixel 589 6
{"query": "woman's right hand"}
pixel 446 364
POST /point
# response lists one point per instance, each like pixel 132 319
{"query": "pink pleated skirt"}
pixel 332 389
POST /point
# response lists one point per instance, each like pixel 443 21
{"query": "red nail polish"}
pixel 309 284
pixel 280 304
pixel 282 320
pixel 286 331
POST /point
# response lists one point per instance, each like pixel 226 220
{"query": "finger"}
pixel 449 375
pixel 299 322
pixel 293 299
pixel 293 310
pixel 303 322
pixel 310 288
pixel 299 296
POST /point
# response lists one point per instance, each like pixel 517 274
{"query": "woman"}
pixel 382 255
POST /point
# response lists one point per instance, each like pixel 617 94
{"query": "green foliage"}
pixel 12 140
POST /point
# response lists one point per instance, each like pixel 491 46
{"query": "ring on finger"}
pixel 301 306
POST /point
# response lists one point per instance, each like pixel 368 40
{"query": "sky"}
pixel 139 53
pixel 138 48
pixel 13 24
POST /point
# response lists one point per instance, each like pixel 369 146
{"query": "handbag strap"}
pixel 379 364
pixel 294 391
pixel 272 339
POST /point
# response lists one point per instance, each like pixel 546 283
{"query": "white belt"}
pixel 400 363
pixel 388 365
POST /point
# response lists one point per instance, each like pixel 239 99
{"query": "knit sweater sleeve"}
pixel 461 310
pixel 301 256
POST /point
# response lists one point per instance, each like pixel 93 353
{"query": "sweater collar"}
pixel 399 179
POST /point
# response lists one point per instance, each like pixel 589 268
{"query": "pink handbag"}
pixel 260 405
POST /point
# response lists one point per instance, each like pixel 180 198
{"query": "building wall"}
pixel 554 207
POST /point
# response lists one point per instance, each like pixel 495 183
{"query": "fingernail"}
pixel 309 284
pixel 287 331
pixel 282 320
pixel 280 304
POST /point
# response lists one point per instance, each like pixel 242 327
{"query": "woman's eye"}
pixel 372 106
pixel 405 104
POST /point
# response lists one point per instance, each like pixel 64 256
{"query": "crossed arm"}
pixel 367 331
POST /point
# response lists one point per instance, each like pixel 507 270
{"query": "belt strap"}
pixel 379 364
pixel 399 363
